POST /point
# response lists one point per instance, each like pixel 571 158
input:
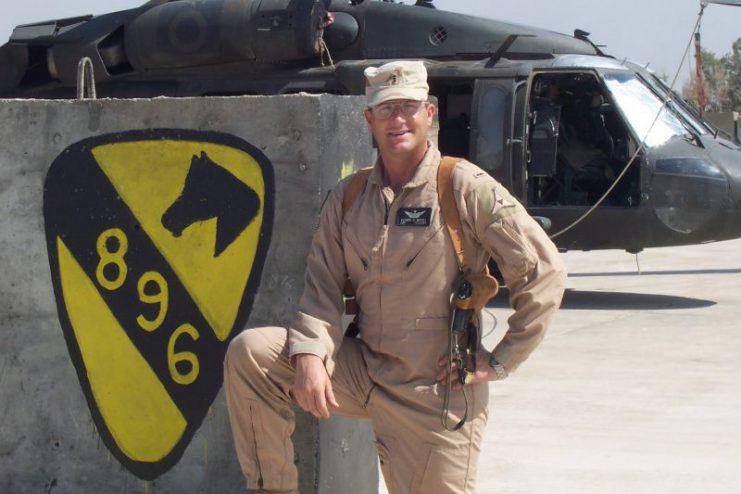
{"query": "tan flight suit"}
pixel 403 277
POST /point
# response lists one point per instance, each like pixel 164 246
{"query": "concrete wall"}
pixel 120 289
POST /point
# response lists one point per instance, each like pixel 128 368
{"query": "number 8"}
pixel 112 257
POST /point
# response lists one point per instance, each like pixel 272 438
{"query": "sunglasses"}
pixel 408 108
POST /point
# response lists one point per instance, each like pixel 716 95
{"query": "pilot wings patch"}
pixel 414 217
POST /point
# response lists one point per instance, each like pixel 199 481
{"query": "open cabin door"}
pixel 577 143
pixel 497 131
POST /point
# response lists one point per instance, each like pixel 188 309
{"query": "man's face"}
pixel 400 126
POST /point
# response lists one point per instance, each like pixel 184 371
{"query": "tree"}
pixel 722 81
pixel 734 76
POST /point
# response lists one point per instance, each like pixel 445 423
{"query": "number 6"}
pixel 173 357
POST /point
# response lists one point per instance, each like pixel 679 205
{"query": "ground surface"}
pixel 637 386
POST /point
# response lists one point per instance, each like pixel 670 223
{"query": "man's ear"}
pixel 368 118
pixel 431 110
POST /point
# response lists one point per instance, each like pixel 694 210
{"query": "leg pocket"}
pixel 444 471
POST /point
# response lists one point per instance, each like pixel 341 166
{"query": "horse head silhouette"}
pixel 210 191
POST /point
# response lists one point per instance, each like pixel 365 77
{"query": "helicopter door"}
pixel 491 129
pixel 520 155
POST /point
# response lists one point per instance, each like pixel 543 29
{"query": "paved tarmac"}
pixel 637 386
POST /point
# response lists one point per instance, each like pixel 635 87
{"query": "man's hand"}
pixel 312 388
pixel 483 373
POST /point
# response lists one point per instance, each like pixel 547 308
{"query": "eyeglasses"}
pixel 408 108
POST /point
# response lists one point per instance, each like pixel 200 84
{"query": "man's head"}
pixel 398 113
pixel 401 80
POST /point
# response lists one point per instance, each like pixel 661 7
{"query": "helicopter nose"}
pixel 731 164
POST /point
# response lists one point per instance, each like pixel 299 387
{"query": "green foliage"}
pixel 722 81
pixel 734 76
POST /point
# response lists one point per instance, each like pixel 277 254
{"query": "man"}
pixel 403 273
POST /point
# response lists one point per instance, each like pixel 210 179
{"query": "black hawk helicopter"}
pixel 549 115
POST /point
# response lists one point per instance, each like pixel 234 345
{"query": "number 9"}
pixel 160 297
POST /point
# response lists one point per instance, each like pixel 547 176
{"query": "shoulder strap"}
pixel 449 208
pixel 353 190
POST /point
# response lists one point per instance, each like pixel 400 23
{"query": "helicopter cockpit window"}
pixel 686 113
pixel 577 143
pixel 641 106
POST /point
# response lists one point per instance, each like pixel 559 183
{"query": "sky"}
pixel 654 32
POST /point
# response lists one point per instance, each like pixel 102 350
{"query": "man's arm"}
pixel 536 288
pixel 316 333
pixel 528 260
pixel 317 327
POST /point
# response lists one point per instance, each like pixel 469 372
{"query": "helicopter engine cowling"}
pixel 14 60
pixel 187 33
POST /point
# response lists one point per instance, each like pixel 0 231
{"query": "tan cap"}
pixel 404 79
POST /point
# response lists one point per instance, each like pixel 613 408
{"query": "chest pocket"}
pixel 416 240
pixel 429 249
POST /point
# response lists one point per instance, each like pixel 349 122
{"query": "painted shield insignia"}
pixel 156 242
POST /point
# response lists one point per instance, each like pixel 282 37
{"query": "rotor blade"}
pixel 735 3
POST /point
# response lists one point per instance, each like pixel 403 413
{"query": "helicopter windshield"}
pixel 640 106
pixel 678 104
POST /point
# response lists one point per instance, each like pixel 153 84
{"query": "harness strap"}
pixel 449 208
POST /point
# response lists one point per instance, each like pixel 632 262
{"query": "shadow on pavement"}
pixel 657 273
pixel 598 300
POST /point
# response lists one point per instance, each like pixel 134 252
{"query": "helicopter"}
pixel 602 152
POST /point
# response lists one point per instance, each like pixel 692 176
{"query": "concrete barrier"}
pixel 728 122
pixel 137 237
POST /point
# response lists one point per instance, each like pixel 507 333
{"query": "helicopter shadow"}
pixel 668 272
pixel 599 300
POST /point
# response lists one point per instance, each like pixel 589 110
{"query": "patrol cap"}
pixel 403 79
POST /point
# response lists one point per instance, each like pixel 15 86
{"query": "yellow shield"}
pixel 156 241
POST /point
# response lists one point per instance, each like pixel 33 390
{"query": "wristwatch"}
pixel 498 368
